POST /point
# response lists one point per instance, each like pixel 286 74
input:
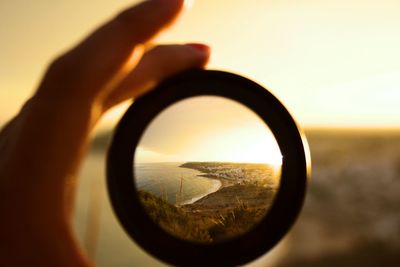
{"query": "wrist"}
pixel 50 245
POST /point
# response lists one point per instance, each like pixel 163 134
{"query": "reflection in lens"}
pixel 207 169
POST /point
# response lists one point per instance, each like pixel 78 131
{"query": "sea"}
pixel 174 184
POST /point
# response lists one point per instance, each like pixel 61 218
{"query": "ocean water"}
pixel 172 183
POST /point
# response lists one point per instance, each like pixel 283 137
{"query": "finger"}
pixel 114 41
pixel 156 65
pixel 99 56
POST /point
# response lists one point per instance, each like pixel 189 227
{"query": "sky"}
pixel 333 63
pixel 208 128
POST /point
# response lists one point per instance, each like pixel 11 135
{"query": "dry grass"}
pixel 202 226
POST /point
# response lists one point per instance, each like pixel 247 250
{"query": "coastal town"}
pixel 238 173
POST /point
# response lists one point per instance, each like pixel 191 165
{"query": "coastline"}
pixel 223 183
pixel 216 187
pixel 231 192
pixel 230 197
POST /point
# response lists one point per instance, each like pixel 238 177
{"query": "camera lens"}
pixel 207 169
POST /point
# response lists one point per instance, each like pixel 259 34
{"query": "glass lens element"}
pixel 207 169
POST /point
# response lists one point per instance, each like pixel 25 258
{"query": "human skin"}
pixel 42 148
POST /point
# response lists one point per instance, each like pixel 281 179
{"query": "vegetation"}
pixel 203 221
pixel 173 219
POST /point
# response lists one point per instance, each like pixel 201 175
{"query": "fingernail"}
pixel 200 47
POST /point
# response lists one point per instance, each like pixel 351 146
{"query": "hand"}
pixel 41 149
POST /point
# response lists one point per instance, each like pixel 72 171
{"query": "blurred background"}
pixel 334 63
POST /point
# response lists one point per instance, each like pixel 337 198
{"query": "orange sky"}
pixel 208 128
pixel 333 62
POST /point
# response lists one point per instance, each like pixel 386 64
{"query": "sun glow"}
pixel 208 129
pixel 251 143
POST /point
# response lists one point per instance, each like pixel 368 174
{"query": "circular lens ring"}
pixel 288 201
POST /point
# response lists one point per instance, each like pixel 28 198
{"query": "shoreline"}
pixel 223 184
pixel 214 189
pixel 232 192
pixel 232 197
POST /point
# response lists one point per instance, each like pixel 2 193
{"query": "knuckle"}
pixel 126 19
pixel 68 65
pixel 133 24
pixel 60 66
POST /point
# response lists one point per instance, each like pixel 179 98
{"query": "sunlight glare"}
pixel 250 143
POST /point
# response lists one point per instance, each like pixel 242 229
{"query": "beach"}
pixel 237 185
pixel 217 185
pixel 172 183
